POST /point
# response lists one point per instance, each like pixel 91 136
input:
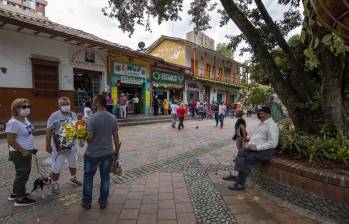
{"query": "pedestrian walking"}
pixel 123 105
pixel 110 103
pixel 181 111
pixel 174 114
pixel 20 140
pixel 59 156
pixel 102 132
pixel 135 100
pixel 239 137
pixel 222 112
pixel 156 105
pixel 201 111
pixel 215 109
pixel 165 106
pixel 259 149
pixel 193 108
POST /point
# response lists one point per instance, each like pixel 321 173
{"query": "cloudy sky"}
pixel 87 16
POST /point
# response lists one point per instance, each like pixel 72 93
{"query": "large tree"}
pixel 311 77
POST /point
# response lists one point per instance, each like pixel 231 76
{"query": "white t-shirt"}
pixel 173 109
pixel 24 131
pixel 222 109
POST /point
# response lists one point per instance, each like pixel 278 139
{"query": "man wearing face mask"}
pixel 259 149
pixel 53 124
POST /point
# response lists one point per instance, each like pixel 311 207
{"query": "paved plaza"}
pixel 169 176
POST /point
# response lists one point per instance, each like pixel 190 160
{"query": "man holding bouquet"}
pixel 102 132
pixel 62 152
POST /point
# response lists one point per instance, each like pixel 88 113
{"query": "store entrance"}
pixel 130 92
pixel 87 84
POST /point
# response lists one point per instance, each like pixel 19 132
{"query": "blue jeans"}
pixel 221 119
pixel 216 117
pixel 90 167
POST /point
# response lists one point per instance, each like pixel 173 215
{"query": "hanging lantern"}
pixel 334 15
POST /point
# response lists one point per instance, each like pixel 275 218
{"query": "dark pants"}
pixel 202 115
pixel 180 125
pixel 90 167
pixel 221 119
pixel 156 110
pixel 216 117
pixel 136 108
pixel 247 159
pixel 23 167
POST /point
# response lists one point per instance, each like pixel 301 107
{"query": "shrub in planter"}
pixel 316 148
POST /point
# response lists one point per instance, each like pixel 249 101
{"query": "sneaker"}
pixel 13 197
pixel 103 206
pixel 230 178
pixel 76 181
pixel 236 187
pixel 25 202
pixel 55 188
pixel 85 206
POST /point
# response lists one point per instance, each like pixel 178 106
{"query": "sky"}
pixel 87 15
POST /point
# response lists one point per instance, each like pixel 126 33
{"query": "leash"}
pixel 37 165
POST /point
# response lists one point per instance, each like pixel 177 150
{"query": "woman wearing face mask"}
pixel 21 144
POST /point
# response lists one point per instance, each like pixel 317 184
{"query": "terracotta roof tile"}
pixel 42 22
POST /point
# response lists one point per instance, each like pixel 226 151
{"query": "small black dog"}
pixel 40 183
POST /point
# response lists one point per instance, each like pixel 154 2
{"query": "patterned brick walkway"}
pixel 171 176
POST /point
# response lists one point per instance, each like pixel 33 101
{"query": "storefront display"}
pixel 130 80
pixel 167 84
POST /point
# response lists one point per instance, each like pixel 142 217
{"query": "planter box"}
pixel 317 190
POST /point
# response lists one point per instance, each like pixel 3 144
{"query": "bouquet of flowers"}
pixel 65 138
pixel 81 130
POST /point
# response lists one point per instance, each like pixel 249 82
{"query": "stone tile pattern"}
pixel 207 202
pixel 308 201
pixel 250 207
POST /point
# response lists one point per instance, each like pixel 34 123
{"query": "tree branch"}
pixel 277 35
pixel 281 86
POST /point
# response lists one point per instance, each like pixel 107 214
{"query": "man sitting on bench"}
pixel 259 149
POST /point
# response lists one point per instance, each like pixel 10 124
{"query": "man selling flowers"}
pixel 61 142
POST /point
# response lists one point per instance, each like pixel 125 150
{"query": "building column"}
pixel 194 63
pixel 205 70
pixel 168 95
pixel 146 95
pixel 185 98
pixel 215 68
pixel 223 71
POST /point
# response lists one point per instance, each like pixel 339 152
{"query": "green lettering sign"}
pixel 167 77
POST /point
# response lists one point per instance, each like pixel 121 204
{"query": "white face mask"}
pixel 24 112
pixel 65 109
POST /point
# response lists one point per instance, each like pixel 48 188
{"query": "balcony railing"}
pixel 228 79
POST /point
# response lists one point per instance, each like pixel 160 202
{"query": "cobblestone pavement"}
pixel 170 176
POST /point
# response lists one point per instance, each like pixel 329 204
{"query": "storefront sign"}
pixel 87 58
pixel 167 77
pixel 131 80
pixel 129 70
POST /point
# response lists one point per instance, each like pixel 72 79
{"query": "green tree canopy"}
pixel 225 50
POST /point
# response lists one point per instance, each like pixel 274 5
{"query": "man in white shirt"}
pixel 135 103
pixel 174 113
pixel 260 148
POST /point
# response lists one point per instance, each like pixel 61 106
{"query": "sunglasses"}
pixel 25 107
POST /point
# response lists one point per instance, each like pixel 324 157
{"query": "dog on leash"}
pixel 40 183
